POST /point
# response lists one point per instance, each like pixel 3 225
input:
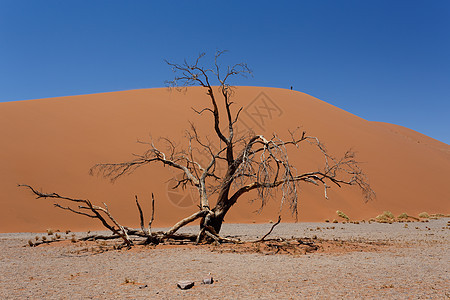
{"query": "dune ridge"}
pixel 52 143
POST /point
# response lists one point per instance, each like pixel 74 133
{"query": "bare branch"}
pixel 93 208
pixel 141 216
pixel 185 221
pixel 153 214
pixel 116 170
pixel 270 231
pixel 74 211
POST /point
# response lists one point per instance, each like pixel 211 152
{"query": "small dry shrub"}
pixel 424 215
pixel 385 217
pixel 403 216
pixel 388 214
pixel 342 215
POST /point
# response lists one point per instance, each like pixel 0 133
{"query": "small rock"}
pixel 208 280
pixel 143 286
pixel 185 284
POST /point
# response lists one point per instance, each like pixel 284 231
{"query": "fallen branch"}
pixel 96 210
pixel 99 237
pixel 186 221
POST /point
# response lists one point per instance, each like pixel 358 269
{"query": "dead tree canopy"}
pixel 236 165
pixel 251 162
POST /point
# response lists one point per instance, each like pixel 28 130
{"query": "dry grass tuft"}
pixel 404 217
pixel 424 215
pixel 342 215
pixel 385 217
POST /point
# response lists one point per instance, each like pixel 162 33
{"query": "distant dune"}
pixel 52 143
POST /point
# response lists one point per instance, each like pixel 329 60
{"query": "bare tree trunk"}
pixel 215 219
pixel 212 221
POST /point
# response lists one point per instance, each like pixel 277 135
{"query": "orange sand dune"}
pixel 52 143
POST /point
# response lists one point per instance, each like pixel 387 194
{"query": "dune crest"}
pixel 52 143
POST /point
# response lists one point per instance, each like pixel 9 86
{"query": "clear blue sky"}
pixel 381 60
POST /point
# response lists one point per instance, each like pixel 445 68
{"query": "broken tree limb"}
pixel 153 215
pixel 186 221
pixel 200 235
pixel 88 206
pixel 141 216
pixel 209 231
pixel 213 236
pixel 123 232
pixel 270 231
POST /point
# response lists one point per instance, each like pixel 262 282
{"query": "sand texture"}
pixel 52 143
pixel 414 263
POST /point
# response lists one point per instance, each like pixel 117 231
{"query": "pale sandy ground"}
pixel 416 265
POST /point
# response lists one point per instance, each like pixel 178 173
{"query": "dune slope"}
pixel 52 143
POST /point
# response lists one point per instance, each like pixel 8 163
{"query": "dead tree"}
pixel 252 163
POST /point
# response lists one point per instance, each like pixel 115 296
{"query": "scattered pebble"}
pixel 185 284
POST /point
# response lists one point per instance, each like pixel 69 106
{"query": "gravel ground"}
pixel 415 265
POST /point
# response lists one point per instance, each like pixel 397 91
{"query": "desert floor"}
pixel 399 262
